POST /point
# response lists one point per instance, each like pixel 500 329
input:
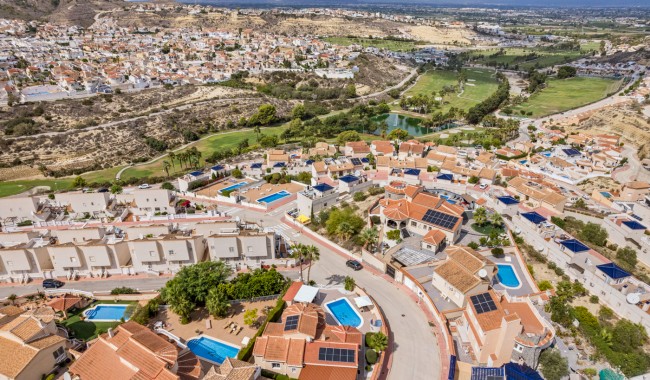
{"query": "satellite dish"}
pixel 633 298
pixel 66 376
pixel 482 273
pixel 357 173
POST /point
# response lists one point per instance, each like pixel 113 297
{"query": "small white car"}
pixel 144 186
pixel 483 186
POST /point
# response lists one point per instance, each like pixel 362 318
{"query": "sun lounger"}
pixel 227 325
pixel 240 330
pixel 208 324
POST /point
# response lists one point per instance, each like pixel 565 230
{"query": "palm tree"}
pixel 312 253
pixel 257 131
pixel 480 216
pixel 496 219
pixel 345 231
pixel 172 157
pixel 298 252
pixel 368 237
pixel 12 298
pixel 166 165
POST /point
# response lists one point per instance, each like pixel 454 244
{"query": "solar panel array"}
pixel 355 161
pixel 336 355
pixel 483 303
pixel 571 152
pixel 440 219
pixel 291 323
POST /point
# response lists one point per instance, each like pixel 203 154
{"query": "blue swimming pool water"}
pixel 211 349
pixel 274 197
pixel 445 197
pixel 233 187
pixel 344 313
pixel 545 154
pixel 507 276
pixel 106 312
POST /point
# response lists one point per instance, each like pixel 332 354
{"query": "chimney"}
pixel 110 332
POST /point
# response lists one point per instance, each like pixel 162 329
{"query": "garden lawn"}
pixel 481 83
pixel 87 330
pixel 393 45
pixel 516 57
pixel 220 141
pixel 565 94
pixel 487 229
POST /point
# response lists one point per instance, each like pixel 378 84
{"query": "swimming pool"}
pixel 507 276
pixel 545 154
pixel 344 313
pixel 274 197
pixel 211 349
pixel 448 199
pixel 106 313
pixel 234 187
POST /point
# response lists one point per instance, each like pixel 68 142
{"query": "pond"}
pixel 412 125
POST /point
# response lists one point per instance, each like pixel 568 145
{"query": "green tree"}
pixel 377 341
pixel 299 112
pixel 166 165
pixel 191 285
pixel 116 189
pixel 217 302
pixel 398 134
pixel 628 336
pixel 298 252
pixel 348 136
pixel 312 253
pixel 79 182
pixel 369 237
pixel 473 180
pixel 627 257
pixel 349 283
pixel 237 173
pixel 594 234
pixel 167 186
pixel 496 219
pixel 553 365
pixel 352 223
pixel 350 91
pixel 250 317
pixel 480 216
pixel 266 114
pixel 566 72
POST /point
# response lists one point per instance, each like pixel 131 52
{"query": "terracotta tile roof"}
pixel 383 146
pixel 296 352
pixel 319 166
pixel 343 334
pixel 467 257
pixel 311 318
pixel 135 352
pixel 358 146
pixel 457 276
pixel 435 236
pixel 232 369
pixel 64 302
pixel 489 320
pixel 21 356
pixel 319 372
pixel 8 313
pixel 638 185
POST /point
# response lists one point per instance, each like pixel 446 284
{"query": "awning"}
pixel 363 301
pixel 306 294
pixel 303 218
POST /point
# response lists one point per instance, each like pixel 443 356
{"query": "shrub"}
pixel 593 299
pixel 375 190
pixel 473 245
pixel 394 235
pixel 371 356
pixel 559 271
pixel 359 196
pixel 124 290
pixel 545 285
pixel 497 252
pixel 142 314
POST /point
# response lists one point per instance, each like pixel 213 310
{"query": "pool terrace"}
pixel 327 295
pixel 228 184
pixel 511 259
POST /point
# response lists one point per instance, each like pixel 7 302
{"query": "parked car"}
pixel 102 190
pixel 50 283
pixel 354 264
pixel 144 186
pixel 483 186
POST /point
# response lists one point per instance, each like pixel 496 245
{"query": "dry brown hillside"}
pixel 625 120
pixel 76 12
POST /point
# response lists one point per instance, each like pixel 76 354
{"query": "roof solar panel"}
pixel 483 303
pixel 355 161
pixel 336 355
pixel 291 323
pixel 440 219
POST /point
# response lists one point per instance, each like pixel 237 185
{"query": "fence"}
pixel 256 299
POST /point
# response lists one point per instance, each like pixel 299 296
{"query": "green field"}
pixel 565 94
pixel 480 84
pixel 393 45
pixel 222 141
pixel 516 58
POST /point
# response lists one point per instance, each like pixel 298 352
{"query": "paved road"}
pixel 151 283
pixel 413 73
